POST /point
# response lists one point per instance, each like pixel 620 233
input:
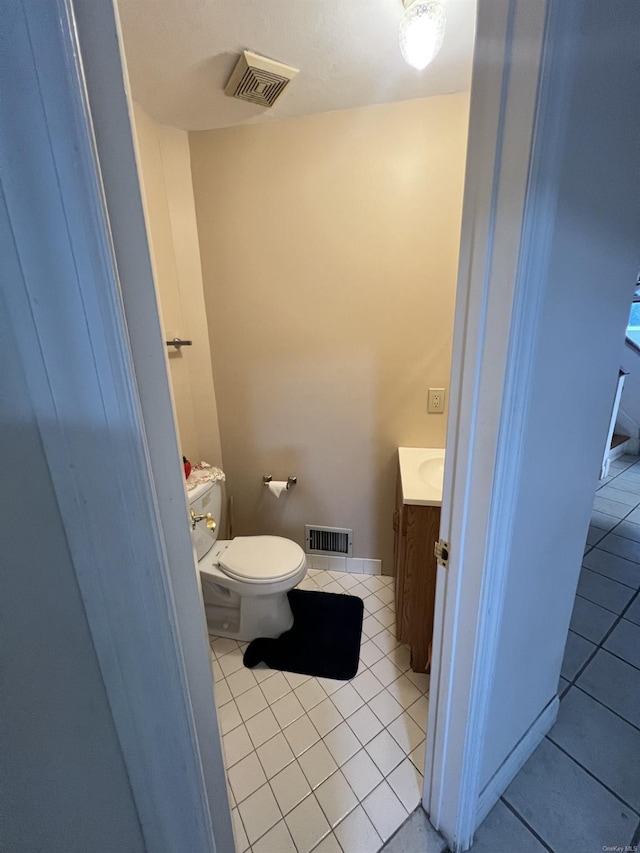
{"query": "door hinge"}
pixel 441 550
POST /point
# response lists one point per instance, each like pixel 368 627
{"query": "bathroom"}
pixel 310 257
pixel 107 661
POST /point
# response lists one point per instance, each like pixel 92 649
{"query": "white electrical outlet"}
pixel 435 404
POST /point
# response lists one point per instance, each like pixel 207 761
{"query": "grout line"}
pixel 359 801
pixel 593 776
pixel 239 814
pixel 619 520
pixel 599 547
pixel 602 543
pixel 445 849
pixel 365 703
pixel 255 841
pixel 601 534
pixel 600 646
pixel 315 848
pixel 573 682
pixel 623 493
pixel 528 826
pixel 597 604
pixel 635 491
pixel 623 470
pixel 582 636
pixel 612 710
pixel 617 622
pixel 588 660
pixel 622 535
pixel 623 660
pixel 596 572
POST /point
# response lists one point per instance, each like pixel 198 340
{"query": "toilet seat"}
pixel 261 559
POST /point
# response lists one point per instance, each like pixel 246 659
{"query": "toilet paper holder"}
pixel 291 480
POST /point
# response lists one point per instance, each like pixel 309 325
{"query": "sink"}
pixel 432 472
pixel 421 475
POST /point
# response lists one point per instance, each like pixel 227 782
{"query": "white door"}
pixel 548 264
pixel 503 107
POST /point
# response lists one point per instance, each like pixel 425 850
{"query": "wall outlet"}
pixel 435 404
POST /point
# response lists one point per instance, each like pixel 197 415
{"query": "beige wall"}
pixel 329 254
pixel 169 208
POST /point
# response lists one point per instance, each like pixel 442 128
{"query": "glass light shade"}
pixel 422 32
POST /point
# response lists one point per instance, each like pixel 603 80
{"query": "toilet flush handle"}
pixel 211 525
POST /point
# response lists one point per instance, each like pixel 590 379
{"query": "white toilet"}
pixel 245 580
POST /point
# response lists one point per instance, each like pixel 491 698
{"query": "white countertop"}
pixel 421 475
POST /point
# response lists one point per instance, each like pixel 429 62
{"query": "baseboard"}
pixel 627 424
pixel 633 447
pixel 344 564
pixel 512 764
pixel 620 450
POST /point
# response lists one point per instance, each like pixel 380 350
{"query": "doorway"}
pixel 458 725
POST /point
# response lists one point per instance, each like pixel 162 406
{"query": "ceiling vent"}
pixel 258 79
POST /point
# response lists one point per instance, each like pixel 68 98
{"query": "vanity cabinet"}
pixel 416 530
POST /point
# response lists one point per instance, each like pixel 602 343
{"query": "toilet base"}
pixel 247 617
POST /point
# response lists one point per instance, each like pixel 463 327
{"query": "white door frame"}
pixel 521 84
pixel 89 338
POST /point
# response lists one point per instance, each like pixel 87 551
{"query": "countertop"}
pixel 421 475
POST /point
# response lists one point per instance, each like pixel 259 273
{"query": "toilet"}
pixel 245 580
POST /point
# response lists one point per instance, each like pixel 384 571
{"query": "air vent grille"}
pixel 260 87
pixel 337 541
pixel 258 79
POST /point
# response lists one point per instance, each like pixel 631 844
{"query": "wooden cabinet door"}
pixel 399 548
pixel 423 528
pixel 416 530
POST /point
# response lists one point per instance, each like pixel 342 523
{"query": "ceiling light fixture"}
pixel 422 31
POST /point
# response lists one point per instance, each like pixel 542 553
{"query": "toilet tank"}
pixel 206 497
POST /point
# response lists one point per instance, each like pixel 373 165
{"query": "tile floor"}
pixel 326 766
pixel 320 765
pixel 580 790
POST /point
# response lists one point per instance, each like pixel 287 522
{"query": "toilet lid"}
pixel 261 559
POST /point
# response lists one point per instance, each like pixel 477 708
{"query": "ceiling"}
pixel 180 54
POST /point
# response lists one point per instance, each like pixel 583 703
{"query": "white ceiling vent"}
pixel 258 79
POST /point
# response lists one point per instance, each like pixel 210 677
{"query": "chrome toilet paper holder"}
pixel 291 480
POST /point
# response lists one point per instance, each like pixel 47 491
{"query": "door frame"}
pixel 522 83
pixel 82 301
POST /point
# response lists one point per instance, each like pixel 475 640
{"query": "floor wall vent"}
pixel 335 541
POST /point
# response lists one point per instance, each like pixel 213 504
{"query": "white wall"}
pixel 589 284
pixel 329 256
pixel 165 177
pixel 64 783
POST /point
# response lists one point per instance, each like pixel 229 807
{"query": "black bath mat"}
pixel 324 640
